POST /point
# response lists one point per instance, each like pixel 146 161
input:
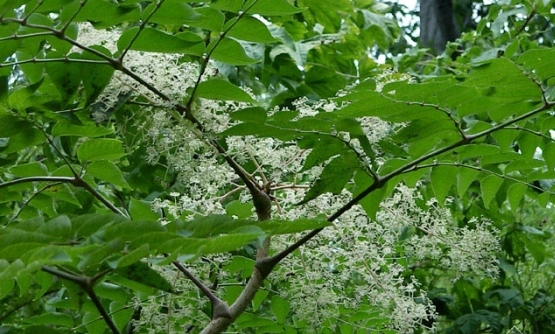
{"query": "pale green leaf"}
pixel 231 52
pixel 107 171
pixel 219 89
pixel 280 308
pixel 251 29
pixel 515 194
pixel 100 149
pixel 465 178
pixel 29 169
pixel 132 257
pixel 68 129
pixel 442 179
pixel 490 186
pixel 142 210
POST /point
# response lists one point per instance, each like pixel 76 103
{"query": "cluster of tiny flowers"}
pixel 389 76
pixel 468 251
pixel 165 72
pixel 350 264
pixel 356 261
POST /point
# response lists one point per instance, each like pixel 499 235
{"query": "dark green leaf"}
pixel 334 176
pixel 489 186
pixel 142 273
pixel 52 319
pixel 154 40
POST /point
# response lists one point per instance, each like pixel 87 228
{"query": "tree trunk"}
pixel 437 24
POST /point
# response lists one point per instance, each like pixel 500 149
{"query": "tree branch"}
pixel 87 284
pixel 219 307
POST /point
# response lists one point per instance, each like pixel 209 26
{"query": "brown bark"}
pixel 437 24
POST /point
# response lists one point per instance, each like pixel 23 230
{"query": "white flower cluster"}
pixel 165 72
pixel 356 262
pixel 468 251
pixel 389 76
pixel 359 261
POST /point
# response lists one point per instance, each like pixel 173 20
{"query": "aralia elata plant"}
pixel 171 166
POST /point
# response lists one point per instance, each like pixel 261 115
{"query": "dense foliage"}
pixel 249 166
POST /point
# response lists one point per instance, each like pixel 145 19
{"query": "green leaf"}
pixel 142 273
pixel 24 281
pixel 242 265
pixel 95 76
pixel 322 150
pixel 154 40
pixel 259 298
pixel 540 61
pixel 11 125
pixel 274 227
pixel 92 323
pixel 528 143
pixel 273 8
pixel 65 76
pixel 68 129
pixel 253 114
pixel 29 169
pixel 371 202
pixel 107 171
pixel 131 258
pixel 548 154
pixel 280 308
pixel 239 209
pixel 6 286
pixel 465 177
pixel 489 186
pixel 97 256
pixel 121 314
pixel 327 13
pixel 25 138
pixel 100 149
pixel 142 210
pixel 536 249
pixel 45 281
pixel 59 227
pixel 505 139
pixel 251 29
pixel 515 194
pixel 106 13
pixel 211 19
pixel 173 12
pixel 111 291
pixel 442 178
pixel 62 192
pixel 334 176
pixel 229 51
pixel 219 89
pixel 52 319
